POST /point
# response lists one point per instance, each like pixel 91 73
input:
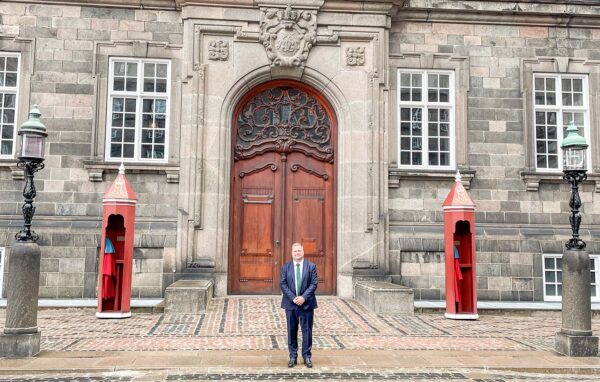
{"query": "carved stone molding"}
pixel 288 35
pixel 355 56
pixel 283 119
pixel 218 50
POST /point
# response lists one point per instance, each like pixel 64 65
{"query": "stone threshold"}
pixel 89 303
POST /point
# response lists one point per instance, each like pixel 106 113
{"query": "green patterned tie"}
pixel 298 279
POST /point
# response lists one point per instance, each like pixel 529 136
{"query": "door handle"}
pixel 277 243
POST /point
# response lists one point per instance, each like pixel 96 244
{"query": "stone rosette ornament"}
pixel 288 35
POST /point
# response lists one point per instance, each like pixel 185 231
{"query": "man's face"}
pixel 297 252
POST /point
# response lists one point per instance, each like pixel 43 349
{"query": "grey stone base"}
pixel 188 296
pixel 384 297
pixel 19 345
pixel 576 346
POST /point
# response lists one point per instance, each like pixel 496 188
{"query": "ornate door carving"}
pixel 283 186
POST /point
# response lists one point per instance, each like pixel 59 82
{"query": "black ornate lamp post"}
pixel 21 337
pixel 575 337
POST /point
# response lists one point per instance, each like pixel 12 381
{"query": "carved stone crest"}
pixel 218 50
pixel 287 35
pixel 355 56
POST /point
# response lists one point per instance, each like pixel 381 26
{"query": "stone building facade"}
pixel 414 90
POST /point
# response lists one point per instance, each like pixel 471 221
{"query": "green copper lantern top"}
pixel 573 138
pixel 33 125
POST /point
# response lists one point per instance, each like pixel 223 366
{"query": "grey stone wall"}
pixel 515 227
pixel 68 203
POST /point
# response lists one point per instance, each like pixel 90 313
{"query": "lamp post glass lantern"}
pixel 31 160
pixel 574 149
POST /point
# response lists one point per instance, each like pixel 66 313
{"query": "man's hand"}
pixel 299 300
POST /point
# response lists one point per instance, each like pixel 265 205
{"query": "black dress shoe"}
pixel 292 362
pixel 308 362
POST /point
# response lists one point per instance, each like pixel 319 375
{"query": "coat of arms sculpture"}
pixel 287 35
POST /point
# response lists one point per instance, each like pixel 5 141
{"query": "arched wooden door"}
pixel 283 186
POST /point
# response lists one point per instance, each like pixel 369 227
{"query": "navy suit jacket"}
pixel 307 287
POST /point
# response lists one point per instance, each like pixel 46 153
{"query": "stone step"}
pixel 385 297
pixel 188 296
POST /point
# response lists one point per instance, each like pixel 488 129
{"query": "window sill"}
pixel 396 174
pixel 532 179
pixel 11 165
pixel 96 169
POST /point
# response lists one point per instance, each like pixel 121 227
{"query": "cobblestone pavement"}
pixel 243 338
pixel 418 375
pixel 257 323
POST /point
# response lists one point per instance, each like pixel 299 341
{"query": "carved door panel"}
pixel 283 188
pixel 256 211
pixel 309 213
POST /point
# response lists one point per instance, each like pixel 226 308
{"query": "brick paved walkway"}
pixel 257 323
pixel 243 338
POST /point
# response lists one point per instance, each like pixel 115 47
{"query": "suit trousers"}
pixel 304 317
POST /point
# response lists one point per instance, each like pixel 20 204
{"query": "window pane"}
pixel 551 98
pixel 405 94
pixel 559 276
pixel 404 79
pixel 566 84
pixel 432 96
pixel 541 161
pixel 577 85
pixel 549 263
pixel 539 83
pixel 577 99
pixel 444 159
pixel 444 95
pixel 161 70
pixel 417 159
pixel 129 135
pixel 128 151
pixel 131 84
pixel 550 276
pixel 131 69
pixel 416 94
pixel 416 80
pixel 6 148
pixel 148 85
pixel 552 161
pixel 119 68
pixel 550 84
pixel 444 81
pixel 11 79
pixel 405 158
pixel 161 86
pixel 129 120
pixel 433 144
pixel 115 150
pixel 119 84
pixel 405 143
pixel 148 70
pixel 9 101
pixel 405 128
pixel 433 159
pixel 541 147
pixel 550 290
pixel 433 81
pixel 130 105
pixel 405 114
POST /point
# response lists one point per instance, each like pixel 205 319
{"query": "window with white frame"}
pixel 425 119
pixel 9 85
pixel 137 116
pixel 558 99
pixel 553 277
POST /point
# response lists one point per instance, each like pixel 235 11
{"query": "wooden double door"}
pixel 283 188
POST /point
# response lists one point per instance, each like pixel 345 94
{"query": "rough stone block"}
pixel 385 298
pixel 576 346
pixel 19 345
pixel 188 296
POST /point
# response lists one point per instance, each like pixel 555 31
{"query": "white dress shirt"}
pixel 296 281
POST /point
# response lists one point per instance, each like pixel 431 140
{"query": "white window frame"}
pixel 559 108
pixel 424 104
pixel 15 91
pixel 595 258
pixel 139 94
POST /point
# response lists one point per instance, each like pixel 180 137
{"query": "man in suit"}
pixel 298 284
